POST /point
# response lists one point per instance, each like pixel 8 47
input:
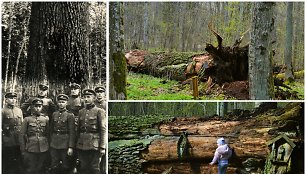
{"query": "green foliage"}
pixel 141 87
pixel 298 87
pixel 146 87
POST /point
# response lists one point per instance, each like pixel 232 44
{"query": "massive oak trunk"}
pixel 58 45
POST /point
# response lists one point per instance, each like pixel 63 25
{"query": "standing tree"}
pixel 117 62
pixel 59 42
pixel 288 43
pixel 260 51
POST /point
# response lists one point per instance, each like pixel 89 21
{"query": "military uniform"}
pixel 90 138
pixel 62 133
pixel 48 105
pixel 11 123
pixel 34 142
pixel 75 103
pixel 101 103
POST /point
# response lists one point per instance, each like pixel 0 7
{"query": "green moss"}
pixel 127 143
pixel 297 75
pixel 120 125
pixel 119 74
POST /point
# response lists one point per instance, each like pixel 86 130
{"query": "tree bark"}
pixel 117 62
pixel 288 45
pixel 260 52
pixel 58 45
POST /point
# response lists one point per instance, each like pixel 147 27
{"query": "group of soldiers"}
pixel 41 138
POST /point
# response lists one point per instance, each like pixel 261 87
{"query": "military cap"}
pixel 62 97
pixel 10 95
pixel 43 87
pixel 89 92
pixel 37 101
pixel 75 86
pixel 99 89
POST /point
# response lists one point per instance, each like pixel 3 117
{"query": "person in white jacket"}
pixel 222 154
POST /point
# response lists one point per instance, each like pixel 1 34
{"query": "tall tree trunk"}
pixel 10 25
pixel 145 26
pixel 260 51
pixel 288 43
pixel 117 62
pixel 58 45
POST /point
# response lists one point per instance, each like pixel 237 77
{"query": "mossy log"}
pixel 171 65
pixel 248 138
pixel 297 75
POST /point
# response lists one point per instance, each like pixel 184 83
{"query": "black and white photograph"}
pixel 53 87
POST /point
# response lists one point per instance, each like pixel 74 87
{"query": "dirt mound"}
pixel 237 89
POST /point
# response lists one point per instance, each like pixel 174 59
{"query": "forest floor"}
pixel 147 87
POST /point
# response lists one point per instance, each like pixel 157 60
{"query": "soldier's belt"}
pixel 60 132
pixel 36 135
pixel 87 131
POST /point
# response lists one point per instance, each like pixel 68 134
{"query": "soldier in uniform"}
pixel 48 105
pixel 62 133
pixel 34 144
pixel 100 101
pixel 91 134
pixel 11 122
pixel 75 103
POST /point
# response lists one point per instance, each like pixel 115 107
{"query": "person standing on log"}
pixel 222 154
pixel 48 106
pixel 91 134
pixel 12 118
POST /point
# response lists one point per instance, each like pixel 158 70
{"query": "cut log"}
pixel 247 137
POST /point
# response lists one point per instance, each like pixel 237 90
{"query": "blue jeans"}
pixel 222 166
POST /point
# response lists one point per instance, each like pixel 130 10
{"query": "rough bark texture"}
pixel 288 45
pixel 58 45
pixel 260 51
pixel 246 131
pixel 117 62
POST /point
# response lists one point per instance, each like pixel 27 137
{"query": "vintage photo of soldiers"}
pixel 51 53
pixel 37 143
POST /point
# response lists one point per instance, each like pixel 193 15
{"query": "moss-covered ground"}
pixel 146 87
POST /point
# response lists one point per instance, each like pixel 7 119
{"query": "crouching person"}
pixel 91 135
pixel 34 143
pixel 62 133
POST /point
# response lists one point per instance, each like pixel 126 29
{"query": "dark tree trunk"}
pixel 260 52
pixel 58 46
pixel 117 62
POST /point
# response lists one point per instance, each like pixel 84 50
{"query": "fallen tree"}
pixel 246 131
